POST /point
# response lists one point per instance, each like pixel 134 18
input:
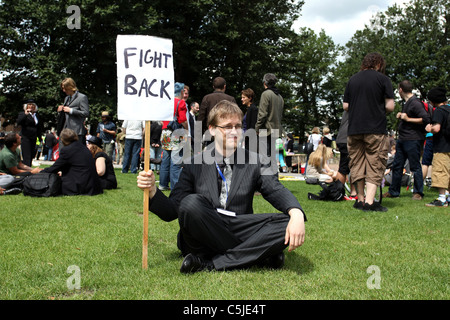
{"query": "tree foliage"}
pixel 306 62
pixel 234 39
pixel 415 42
pixel 240 40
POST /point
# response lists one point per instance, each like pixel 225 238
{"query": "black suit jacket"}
pixel 29 129
pixel 208 102
pixel 252 117
pixel 79 176
pixel 247 178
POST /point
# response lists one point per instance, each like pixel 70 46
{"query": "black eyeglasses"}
pixel 229 128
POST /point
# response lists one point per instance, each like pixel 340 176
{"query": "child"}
pixel 281 154
pixel 318 167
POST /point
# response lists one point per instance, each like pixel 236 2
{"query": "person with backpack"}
pixel 440 128
pixel 171 142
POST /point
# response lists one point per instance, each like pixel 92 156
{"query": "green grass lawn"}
pixel 102 236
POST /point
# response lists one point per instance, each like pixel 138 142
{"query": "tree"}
pixel 40 50
pixel 306 61
pixel 415 41
pixel 235 39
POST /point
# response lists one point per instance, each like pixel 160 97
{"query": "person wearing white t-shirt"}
pixel 315 137
pixel 134 130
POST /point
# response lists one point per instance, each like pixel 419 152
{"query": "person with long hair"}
pixel 103 164
pixel 73 113
pixel 318 167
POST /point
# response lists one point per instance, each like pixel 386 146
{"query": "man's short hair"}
pixel 10 139
pixel 223 109
pixel 406 86
pixel 270 79
pixel 68 136
pixel 372 61
pixel 219 83
pixel 192 105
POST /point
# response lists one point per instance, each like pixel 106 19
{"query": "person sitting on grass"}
pixel 6 181
pixel 103 163
pixel 11 159
pixel 76 167
pixel 318 167
pixel 214 205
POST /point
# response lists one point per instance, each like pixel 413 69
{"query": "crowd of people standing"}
pixel 364 144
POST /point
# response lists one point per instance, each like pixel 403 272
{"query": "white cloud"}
pixel 340 19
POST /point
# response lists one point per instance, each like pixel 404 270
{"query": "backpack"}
pixel 174 125
pixel 42 184
pixel 334 191
pixel 308 148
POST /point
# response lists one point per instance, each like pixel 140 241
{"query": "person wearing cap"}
pixel 73 113
pixel 172 157
pixel 440 175
pixel 103 163
pixel 76 166
pixel 30 132
pixel 106 130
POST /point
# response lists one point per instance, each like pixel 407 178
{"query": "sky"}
pixel 341 18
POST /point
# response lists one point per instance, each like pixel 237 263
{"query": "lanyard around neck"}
pixel 223 179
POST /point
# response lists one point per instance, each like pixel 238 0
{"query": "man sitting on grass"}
pixel 213 203
pixel 11 160
pixel 12 170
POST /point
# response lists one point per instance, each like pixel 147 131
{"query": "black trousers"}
pixel 230 242
pixel 28 148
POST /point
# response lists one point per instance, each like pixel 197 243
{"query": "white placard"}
pixel 145 78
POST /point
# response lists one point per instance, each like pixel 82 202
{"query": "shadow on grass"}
pixel 298 263
pixel 293 262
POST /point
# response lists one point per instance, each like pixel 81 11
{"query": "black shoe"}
pixel 358 205
pixel 12 191
pixel 273 262
pixel 193 263
pixel 375 206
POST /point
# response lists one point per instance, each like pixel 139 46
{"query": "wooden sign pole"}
pixel 146 196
